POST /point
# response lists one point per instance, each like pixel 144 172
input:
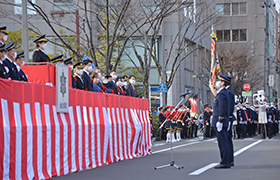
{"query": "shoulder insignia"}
pixel 37 50
pixel 74 75
pixel 13 69
pixel 4 73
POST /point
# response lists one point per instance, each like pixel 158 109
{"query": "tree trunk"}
pixel 146 85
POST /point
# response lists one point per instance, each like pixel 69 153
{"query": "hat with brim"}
pixel 68 61
pixel 224 78
pixel 20 54
pixel 41 39
pixel 10 46
pixel 3 29
pixel 57 59
pixel 78 65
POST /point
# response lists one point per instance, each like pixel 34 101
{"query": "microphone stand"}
pixel 172 162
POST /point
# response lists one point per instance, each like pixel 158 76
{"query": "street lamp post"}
pixel 266 6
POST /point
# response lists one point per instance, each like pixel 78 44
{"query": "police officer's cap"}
pixel 3 29
pixel 57 59
pixel 125 77
pixel 20 54
pixel 224 78
pixel 78 65
pixel 10 46
pixel 41 39
pixel 2 47
pixel 68 61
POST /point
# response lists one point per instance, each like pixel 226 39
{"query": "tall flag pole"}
pixel 215 66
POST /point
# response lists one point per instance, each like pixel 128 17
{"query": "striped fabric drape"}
pixel 36 142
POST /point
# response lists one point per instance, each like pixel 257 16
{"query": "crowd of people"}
pixel 84 76
pixel 246 124
pixel 179 124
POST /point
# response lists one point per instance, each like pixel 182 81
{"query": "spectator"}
pixel 119 85
pixel 98 72
pixel 87 64
pixel 130 87
pixel 78 71
pixel 108 82
pixel 114 78
pixel 95 80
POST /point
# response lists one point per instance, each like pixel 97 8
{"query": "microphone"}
pixel 183 95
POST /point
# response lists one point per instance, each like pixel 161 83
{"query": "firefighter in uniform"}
pixel 8 62
pixel 3 72
pixel 39 55
pixel 78 71
pixel 206 121
pixel 220 121
pixel 20 62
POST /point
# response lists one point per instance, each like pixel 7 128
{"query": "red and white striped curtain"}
pixel 38 143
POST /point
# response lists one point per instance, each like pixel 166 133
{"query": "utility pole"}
pixel 25 44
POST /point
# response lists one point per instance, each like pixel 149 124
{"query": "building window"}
pixel 232 35
pixel 63 5
pixel 18 8
pixel 223 35
pixel 223 9
pixel 231 9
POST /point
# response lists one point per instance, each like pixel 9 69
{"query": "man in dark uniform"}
pixel 57 59
pixel 87 64
pixel 68 62
pixel 39 55
pixel 130 86
pixel 206 120
pixel 231 106
pixel 3 35
pixel 78 71
pixel 161 120
pixel 220 121
pixel 20 62
pixel 3 72
pixel 8 62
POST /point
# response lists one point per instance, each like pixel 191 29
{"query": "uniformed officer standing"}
pixel 3 72
pixel 8 62
pixel 220 121
pixel 20 62
pixel 206 120
pixel 3 35
pixel 231 102
pixel 78 71
pixel 68 62
pixel 39 55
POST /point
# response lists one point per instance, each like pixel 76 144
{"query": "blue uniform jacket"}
pixel 13 73
pixel 220 108
pixel 231 104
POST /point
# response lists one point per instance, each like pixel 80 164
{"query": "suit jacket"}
pixel 87 81
pixel 96 88
pixel 79 84
pixel 13 72
pixel 220 108
pixel 114 88
pixel 130 90
pixel 231 102
pixel 40 56
pixel 3 73
pixel 22 76
pixel 73 83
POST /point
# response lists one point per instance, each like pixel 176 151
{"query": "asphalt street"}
pixel 255 159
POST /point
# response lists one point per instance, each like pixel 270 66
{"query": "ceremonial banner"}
pixel 38 143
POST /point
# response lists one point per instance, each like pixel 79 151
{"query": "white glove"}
pixel 219 126
pixel 228 126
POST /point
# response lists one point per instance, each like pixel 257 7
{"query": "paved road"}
pixel 255 159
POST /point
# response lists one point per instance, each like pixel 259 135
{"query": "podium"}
pixel 42 74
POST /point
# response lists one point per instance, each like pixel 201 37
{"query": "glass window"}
pixel 235 35
pixel 227 9
pixel 243 35
pixel 18 8
pixel 219 9
pixel 226 35
pixel 242 8
pixel 235 9
pixel 220 35
pixel 63 5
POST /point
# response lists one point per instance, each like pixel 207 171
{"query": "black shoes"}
pixel 222 166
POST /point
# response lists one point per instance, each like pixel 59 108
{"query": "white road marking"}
pixel 175 147
pixel 205 168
